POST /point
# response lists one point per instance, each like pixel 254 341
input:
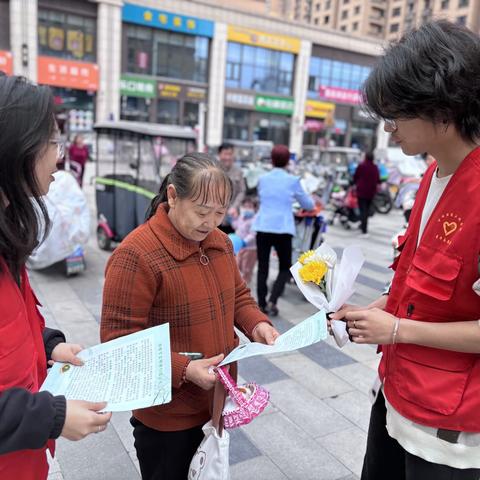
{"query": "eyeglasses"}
pixel 390 125
pixel 60 148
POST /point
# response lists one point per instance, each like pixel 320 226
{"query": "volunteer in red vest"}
pixel 29 421
pixel 425 422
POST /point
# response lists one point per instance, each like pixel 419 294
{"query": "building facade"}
pixel 226 74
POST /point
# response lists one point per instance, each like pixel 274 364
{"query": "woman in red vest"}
pixel 29 421
pixel 425 422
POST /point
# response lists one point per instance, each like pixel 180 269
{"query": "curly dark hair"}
pixel 433 73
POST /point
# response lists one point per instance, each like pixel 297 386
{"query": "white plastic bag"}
pixel 70 222
pixel 211 460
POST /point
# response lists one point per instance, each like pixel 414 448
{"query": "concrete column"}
pixel 300 89
pixel 109 51
pixel 23 37
pixel 216 85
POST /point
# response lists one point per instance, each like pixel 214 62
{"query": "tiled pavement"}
pixel 315 427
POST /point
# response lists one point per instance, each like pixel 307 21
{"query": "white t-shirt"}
pixel 418 439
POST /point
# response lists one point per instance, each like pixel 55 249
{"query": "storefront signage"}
pixel 313 126
pixel 176 91
pixel 166 20
pixel 340 95
pixel 67 73
pixel 262 39
pixel 280 105
pixel 316 109
pixel 6 62
pixel 137 87
pixel 240 99
pixel 169 90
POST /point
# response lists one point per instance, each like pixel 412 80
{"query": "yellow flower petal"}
pixel 313 272
pixel 305 256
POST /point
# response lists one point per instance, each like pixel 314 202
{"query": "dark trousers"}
pixel 364 205
pixel 282 242
pixel 386 459
pixel 226 229
pixel 165 455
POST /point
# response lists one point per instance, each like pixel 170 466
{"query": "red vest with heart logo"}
pixel 22 364
pixel 433 283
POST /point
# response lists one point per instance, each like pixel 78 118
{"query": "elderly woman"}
pixel 178 267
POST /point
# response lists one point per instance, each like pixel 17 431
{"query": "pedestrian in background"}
pixel 227 161
pixel 178 267
pixel 78 156
pixel 29 420
pixel 366 179
pixel 425 422
pixel 275 225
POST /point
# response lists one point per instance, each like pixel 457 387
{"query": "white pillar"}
pixel 382 138
pixel 23 37
pixel 300 88
pixel 109 51
pixel 216 85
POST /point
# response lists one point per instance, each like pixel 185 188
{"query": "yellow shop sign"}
pixel 262 39
pixel 316 109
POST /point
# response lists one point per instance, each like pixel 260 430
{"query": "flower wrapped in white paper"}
pixel 328 283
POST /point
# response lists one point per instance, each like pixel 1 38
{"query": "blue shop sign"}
pixel 166 20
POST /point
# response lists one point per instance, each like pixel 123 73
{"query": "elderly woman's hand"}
pixel 265 333
pixel 200 372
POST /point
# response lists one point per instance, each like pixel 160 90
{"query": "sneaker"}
pixel 264 310
pixel 365 235
pixel 272 309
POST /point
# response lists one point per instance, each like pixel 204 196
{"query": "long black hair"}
pixel 195 175
pixel 26 124
pixel 431 73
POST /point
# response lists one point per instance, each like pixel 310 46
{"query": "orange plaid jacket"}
pixel 155 276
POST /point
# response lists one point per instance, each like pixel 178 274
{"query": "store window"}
pixel 139 50
pixel 260 69
pixel 167 54
pixel 66 35
pixel 190 114
pixel 168 112
pixel 135 109
pixel 181 56
pixel 236 124
pixel 332 73
pixel 275 128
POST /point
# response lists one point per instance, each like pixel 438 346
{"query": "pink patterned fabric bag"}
pixel 244 403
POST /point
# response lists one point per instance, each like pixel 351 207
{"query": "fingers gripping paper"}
pixel 128 373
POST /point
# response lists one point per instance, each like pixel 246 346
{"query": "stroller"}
pixel 344 204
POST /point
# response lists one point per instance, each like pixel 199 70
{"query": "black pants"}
pixel 282 242
pixel 226 229
pixel 165 455
pixel 386 459
pixel 364 205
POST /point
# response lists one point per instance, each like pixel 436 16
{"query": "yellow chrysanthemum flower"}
pixel 305 256
pixel 313 271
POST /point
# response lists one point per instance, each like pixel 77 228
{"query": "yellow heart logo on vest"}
pixel 449 227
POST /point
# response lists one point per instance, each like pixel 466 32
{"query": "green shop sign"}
pixel 274 104
pixel 137 87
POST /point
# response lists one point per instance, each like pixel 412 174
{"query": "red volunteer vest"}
pixel 22 364
pixel 433 283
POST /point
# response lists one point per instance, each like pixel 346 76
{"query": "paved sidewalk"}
pixel 315 427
